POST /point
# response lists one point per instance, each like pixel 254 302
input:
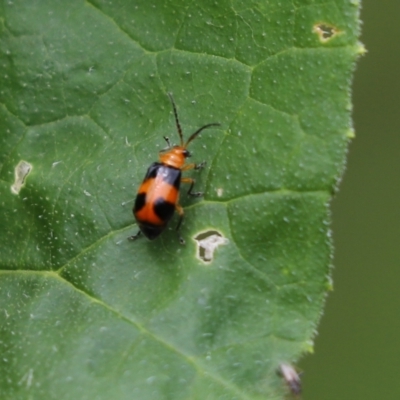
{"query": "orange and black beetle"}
pixel 158 195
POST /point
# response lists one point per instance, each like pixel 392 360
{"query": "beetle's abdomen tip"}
pixel 151 232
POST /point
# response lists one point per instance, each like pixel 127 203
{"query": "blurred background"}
pixel 357 351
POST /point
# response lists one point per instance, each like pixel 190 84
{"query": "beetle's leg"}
pixel 186 167
pixel 192 182
pixel 179 210
pixel 134 237
pixel 193 166
pixel 200 165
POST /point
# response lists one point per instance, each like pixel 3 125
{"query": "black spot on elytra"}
pixel 170 175
pixel 152 171
pixel 139 202
pixel 164 209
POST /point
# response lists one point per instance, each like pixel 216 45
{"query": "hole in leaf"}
pixel 325 31
pixel 207 243
pixel 21 171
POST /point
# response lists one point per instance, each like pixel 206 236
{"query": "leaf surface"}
pixel 88 314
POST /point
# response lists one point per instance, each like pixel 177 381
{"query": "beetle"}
pixel 158 196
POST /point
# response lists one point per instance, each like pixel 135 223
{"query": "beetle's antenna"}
pixel 178 126
pixel 193 136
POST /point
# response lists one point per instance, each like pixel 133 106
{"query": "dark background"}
pixel 357 351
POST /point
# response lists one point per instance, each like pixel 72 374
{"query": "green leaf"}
pixel 87 314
